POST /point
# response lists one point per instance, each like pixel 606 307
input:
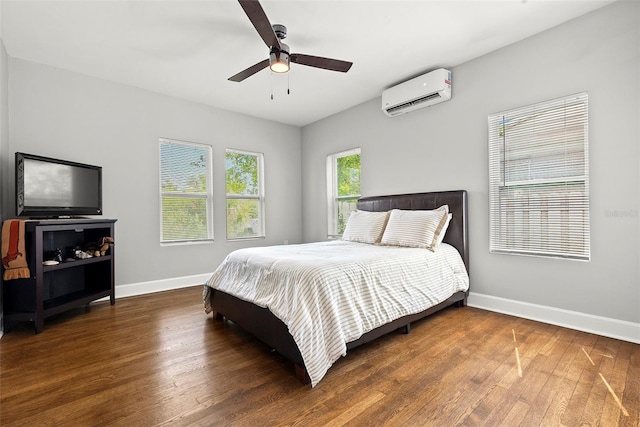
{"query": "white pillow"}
pixel 416 229
pixel 365 226
pixel 440 237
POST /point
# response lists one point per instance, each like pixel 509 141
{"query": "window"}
pixel 186 199
pixel 245 195
pixel 539 179
pixel 343 183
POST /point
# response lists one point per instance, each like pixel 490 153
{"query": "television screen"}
pixel 47 187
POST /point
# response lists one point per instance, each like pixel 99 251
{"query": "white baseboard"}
pixel 133 289
pixel 605 326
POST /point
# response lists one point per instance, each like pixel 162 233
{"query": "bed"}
pixel 263 313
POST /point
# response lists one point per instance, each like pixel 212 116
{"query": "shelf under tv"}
pixel 53 289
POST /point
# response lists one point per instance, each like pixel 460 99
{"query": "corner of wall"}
pixel 4 145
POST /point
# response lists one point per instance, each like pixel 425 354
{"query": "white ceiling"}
pixel 188 49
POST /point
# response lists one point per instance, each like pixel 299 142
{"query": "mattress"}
pixel 331 293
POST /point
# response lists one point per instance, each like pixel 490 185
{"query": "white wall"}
pixel 4 108
pixel 61 114
pixel 4 137
pixel 445 148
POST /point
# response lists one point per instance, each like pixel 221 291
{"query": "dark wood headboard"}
pixel 457 233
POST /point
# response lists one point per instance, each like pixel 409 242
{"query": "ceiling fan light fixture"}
pixel 279 66
pixel 279 60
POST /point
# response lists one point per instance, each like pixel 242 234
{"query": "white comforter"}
pixel 330 293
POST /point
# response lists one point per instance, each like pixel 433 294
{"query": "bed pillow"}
pixel 365 226
pixel 415 229
pixel 440 237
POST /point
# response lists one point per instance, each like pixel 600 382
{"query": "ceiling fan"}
pixel 279 56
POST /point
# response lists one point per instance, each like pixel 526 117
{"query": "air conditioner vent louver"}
pixel 422 91
pixel 415 102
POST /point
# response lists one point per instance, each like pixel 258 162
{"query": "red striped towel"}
pixel 14 257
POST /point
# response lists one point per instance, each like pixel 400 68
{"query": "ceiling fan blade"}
pixel 250 71
pixel 259 19
pixel 321 62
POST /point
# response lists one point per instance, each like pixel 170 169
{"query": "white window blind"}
pixel 186 199
pixel 539 179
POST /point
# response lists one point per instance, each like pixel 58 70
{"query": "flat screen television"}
pixel 47 187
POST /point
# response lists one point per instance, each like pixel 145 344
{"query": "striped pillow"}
pixel 415 229
pixel 440 237
pixel 365 227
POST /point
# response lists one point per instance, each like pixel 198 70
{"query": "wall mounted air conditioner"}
pixel 422 91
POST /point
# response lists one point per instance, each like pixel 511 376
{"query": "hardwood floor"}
pixel 159 360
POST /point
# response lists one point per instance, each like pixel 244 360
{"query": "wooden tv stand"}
pixel 52 289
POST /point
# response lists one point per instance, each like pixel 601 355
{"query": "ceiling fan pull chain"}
pixel 288 74
pixel 271 81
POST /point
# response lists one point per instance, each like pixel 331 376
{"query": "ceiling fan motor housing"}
pixel 280 30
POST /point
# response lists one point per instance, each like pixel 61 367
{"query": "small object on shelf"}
pixel 83 255
pixel 51 262
pixel 101 247
pixel 57 255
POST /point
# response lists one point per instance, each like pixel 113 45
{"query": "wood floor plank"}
pixel 433 381
pixel 158 360
pixel 492 357
pixel 631 389
pixel 551 367
pixel 603 355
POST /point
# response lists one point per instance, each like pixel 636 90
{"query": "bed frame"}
pixel 273 332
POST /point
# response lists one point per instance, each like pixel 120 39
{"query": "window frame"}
pixel 260 197
pixel 207 196
pixel 539 180
pixel 333 198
